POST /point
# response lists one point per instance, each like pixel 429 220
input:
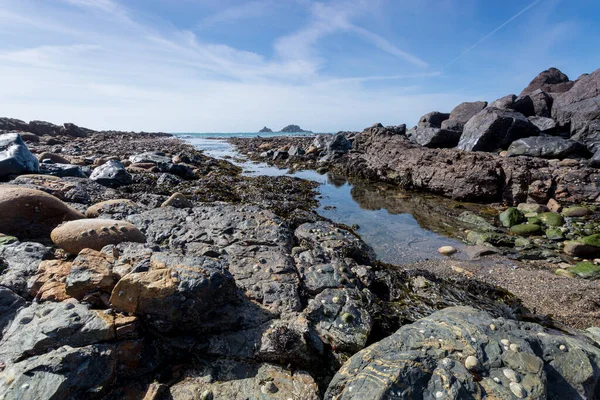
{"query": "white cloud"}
pixel 92 63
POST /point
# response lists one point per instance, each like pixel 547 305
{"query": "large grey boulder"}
pixel 504 103
pixel 10 304
pixel 42 128
pixel 339 144
pixel 13 124
pixel 111 174
pixel 45 326
pixel 428 131
pixel 175 293
pixel 493 129
pixel 541 103
pixel 551 80
pixel 579 110
pixel 15 157
pixel 21 261
pixel 461 353
pixel 71 129
pixel 434 137
pixel 433 119
pixel 545 125
pixel 548 147
pixel 461 114
pixel 64 374
pixel 61 170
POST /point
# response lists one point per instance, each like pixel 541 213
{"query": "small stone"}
pixel 518 390
pixel 562 347
pixel 497 380
pixel 447 250
pixel 347 318
pixel 439 394
pixel 515 347
pixel 511 375
pixel 505 342
pixel 493 327
pixel 472 363
pixel 269 387
pixel 335 299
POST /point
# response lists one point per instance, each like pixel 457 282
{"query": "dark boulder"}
pixel 462 113
pixel 339 144
pixel 70 129
pixel 112 174
pixel 295 151
pixel 548 147
pixel 433 119
pixel 265 130
pixel 42 128
pixel 542 103
pixel 434 137
pixel 504 103
pixel 545 125
pixel 61 170
pixel 15 157
pixel 29 137
pixel 463 353
pixel 13 124
pixel 552 81
pixel 493 129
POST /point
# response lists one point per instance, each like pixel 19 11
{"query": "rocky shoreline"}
pixel 134 266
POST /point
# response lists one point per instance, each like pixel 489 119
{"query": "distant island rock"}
pixel 294 129
pixel 265 130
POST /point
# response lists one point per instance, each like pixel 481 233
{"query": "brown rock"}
pixel 53 157
pixel 96 209
pixel 49 282
pixel 29 137
pixel 90 272
pixel 554 206
pixel 177 200
pixel 147 165
pixel 30 213
pixel 94 234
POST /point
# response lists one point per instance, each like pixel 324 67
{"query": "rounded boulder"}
pixel 94 234
pixel 30 213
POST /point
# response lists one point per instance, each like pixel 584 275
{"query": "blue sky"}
pixel 230 65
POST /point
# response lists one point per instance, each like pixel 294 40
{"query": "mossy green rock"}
pixel 586 270
pixel 522 242
pixel 555 233
pixel 592 240
pixel 510 217
pixel 525 229
pixel 493 238
pixel 576 212
pixel 530 208
pixel 4 240
pixel 473 219
pixel 552 219
pixel 534 221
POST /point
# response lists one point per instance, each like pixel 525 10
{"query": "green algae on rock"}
pixel 525 229
pixel 510 217
pixel 552 219
pixel 586 270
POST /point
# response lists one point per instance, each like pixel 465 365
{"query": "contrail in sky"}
pixel 517 15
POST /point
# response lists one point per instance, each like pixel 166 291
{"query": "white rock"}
pixel 447 250
pixel 518 390
pixel 472 363
pixel 511 375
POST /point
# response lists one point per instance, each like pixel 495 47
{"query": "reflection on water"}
pixel 401 228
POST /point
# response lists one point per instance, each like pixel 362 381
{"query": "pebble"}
pixel 505 342
pixel 439 394
pixel 472 363
pixel 511 375
pixel 493 327
pixel 515 347
pixel 447 250
pixel 562 347
pixel 518 390
pixel 497 380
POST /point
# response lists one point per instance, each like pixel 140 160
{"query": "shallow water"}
pixel 389 221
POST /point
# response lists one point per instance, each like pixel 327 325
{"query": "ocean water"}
pixel 385 218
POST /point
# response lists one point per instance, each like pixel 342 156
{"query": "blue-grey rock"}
pixel 62 170
pixel 431 358
pixel 493 129
pixel 548 147
pixel 15 157
pixel 112 174
pixel 151 157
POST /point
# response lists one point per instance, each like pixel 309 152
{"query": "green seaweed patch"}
pixel 525 229
pixel 586 270
pixel 552 219
pixel 592 240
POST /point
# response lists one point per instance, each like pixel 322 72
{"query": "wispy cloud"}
pixel 483 39
pixel 247 10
